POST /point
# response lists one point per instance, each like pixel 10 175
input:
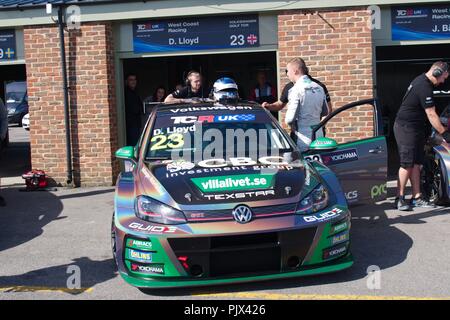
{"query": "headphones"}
pixel 187 80
pixel 440 70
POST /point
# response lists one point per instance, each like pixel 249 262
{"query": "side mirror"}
pixel 126 153
pixel 323 144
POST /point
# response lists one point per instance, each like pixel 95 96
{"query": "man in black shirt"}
pixel 193 89
pixel 410 131
pixel 133 110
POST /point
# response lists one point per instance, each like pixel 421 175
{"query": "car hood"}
pixel 192 184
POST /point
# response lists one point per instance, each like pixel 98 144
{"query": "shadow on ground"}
pixel 74 278
pixel 25 214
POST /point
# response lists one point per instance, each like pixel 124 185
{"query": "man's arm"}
pixel 292 105
pixel 276 106
pixel 435 121
pixel 171 99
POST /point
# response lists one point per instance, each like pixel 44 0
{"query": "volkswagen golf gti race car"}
pixel 218 193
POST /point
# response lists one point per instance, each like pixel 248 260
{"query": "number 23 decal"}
pixel 162 142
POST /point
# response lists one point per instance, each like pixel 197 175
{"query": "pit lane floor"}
pixel 47 237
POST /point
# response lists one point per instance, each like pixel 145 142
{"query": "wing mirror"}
pixel 126 153
pixel 323 144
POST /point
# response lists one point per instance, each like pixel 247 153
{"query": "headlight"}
pixel 316 200
pixel 152 210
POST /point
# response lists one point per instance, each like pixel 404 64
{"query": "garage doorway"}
pixel 396 67
pixel 172 70
pixel 16 158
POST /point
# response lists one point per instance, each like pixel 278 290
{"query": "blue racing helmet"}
pixel 225 88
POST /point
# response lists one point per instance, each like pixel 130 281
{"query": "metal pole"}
pixel 66 94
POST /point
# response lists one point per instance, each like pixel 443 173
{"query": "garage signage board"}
pixel 7 44
pixel 184 34
pixel 430 22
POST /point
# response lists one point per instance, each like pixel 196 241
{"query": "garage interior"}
pixel 396 67
pixel 172 70
pixel 16 159
pixel 11 72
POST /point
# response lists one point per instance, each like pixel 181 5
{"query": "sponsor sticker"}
pixel 236 182
pixel 340 238
pixel 151 228
pixel 214 118
pixel 239 195
pixel 334 252
pixel 214 108
pixel 170 130
pixel 352 196
pixel 324 216
pixel 339 227
pixel 180 169
pixel 139 255
pixel 339 156
pixel 147 269
pixel 179 165
pixel 139 244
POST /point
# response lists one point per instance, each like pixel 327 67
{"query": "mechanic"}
pixel 307 100
pixel 193 89
pixel 225 89
pixel 410 132
pixel 134 110
pixel 281 103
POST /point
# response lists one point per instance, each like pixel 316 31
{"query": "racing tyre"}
pixel 113 241
pixel 432 182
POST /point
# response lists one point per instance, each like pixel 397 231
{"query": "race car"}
pixel 218 193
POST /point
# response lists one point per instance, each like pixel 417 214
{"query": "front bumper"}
pixel 15 118
pixel 342 263
pixel 226 252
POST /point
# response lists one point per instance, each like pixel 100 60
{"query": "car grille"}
pixel 223 215
pixel 243 255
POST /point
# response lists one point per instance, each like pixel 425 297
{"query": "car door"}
pixel 360 157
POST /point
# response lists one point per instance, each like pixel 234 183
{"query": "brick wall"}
pixel 338 54
pixel 90 64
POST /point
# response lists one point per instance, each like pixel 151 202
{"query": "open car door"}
pixel 359 158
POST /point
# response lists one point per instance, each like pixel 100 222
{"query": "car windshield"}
pixel 15 97
pixel 212 134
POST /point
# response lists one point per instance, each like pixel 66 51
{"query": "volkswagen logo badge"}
pixel 242 214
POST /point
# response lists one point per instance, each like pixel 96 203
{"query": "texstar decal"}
pixel 193 109
pixel 214 118
pixel 323 216
pixel 339 157
pixel 239 195
pixel 150 228
pixel 140 256
pixel 148 269
pixel 170 130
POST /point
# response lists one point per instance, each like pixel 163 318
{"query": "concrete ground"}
pixel 47 237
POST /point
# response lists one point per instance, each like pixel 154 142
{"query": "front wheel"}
pixel 113 240
pixel 433 182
